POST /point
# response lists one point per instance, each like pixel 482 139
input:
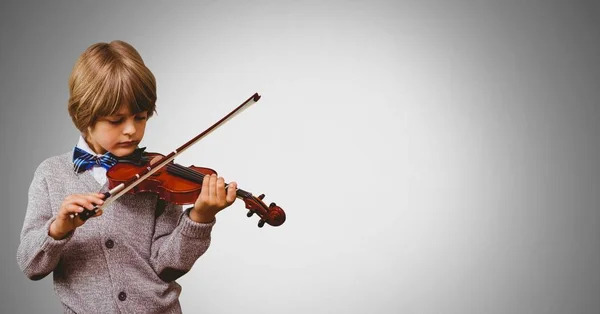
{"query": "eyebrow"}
pixel 124 115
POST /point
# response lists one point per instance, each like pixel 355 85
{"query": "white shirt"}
pixel 98 171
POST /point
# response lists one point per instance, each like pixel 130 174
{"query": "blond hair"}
pixel 106 76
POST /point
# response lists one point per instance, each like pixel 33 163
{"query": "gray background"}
pixel 432 156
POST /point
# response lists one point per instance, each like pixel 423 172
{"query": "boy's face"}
pixel 119 133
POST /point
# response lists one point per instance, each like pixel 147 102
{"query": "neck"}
pixel 92 145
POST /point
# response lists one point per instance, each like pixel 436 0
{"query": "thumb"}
pixel 231 192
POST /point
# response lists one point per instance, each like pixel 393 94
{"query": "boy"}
pixel 127 258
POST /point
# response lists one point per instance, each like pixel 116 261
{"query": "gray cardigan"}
pixel 125 261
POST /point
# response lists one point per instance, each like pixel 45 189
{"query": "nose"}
pixel 129 127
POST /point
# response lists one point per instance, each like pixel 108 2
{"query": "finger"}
pixel 155 160
pixel 205 184
pixel 87 201
pixel 220 189
pixel 74 208
pixel 231 192
pixel 85 204
pixel 95 199
pixel 212 186
pixel 78 200
pixel 70 210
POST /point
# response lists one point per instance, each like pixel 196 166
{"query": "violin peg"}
pixel 261 223
pixel 272 205
pixel 250 213
pixel 260 197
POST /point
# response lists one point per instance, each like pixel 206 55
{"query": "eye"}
pixel 115 121
pixel 140 118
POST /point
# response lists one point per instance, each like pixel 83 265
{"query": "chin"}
pixel 122 151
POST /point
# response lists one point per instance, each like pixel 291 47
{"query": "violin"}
pixel 180 185
pixel 175 183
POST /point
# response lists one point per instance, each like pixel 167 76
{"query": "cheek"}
pixel 108 135
pixel 141 128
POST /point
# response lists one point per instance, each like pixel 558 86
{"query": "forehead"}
pixel 124 110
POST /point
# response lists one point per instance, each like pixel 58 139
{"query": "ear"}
pixel 86 133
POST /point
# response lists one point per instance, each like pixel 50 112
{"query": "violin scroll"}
pixel 272 214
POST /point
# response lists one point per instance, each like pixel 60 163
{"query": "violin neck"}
pixel 241 194
pixel 197 177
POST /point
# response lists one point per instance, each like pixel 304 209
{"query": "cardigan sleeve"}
pixel 178 241
pixel 38 253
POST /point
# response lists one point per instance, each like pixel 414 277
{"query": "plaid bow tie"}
pixel 83 160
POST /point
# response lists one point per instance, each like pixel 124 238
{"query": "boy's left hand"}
pixel 213 198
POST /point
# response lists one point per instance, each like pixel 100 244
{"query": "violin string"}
pixel 184 171
pixel 190 173
pixel 176 169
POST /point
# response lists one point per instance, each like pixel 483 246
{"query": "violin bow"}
pixel 124 187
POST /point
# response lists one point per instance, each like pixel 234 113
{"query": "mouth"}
pixel 127 144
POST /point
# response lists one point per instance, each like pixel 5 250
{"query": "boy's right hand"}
pixel 73 204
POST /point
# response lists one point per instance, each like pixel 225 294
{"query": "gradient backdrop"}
pixel 432 156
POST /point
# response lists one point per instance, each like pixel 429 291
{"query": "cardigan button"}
pixel 122 296
pixel 109 243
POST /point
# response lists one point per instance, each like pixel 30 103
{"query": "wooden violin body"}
pixel 180 185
